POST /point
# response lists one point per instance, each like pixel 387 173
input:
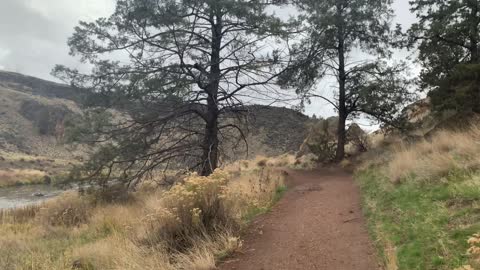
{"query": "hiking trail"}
pixel 317 225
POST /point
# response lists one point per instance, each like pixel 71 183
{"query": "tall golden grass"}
pixel 433 159
pixel 18 215
pixel 14 177
pixel 189 226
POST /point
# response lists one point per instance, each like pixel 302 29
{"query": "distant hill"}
pixel 37 87
pixel 32 114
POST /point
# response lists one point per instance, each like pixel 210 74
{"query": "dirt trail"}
pixel 317 225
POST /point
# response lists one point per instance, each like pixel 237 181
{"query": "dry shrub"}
pixel 116 252
pixel 306 162
pixel 118 193
pixel 193 208
pixel 432 160
pixel 207 251
pixel 68 210
pixel 262 162
pixel 161 233
pixel 253 190
pixel 474 253
pixel 284 161
pixel 345 163
pixel 190 226
pixel 200 258
pixel 18 215
pixel 474 249
pixel 120 218
pixel 120 253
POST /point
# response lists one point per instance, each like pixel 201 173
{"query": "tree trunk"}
pixel 341 138
pixel 474 53
pixel 342 78
pixel 210 143
pixel 474 50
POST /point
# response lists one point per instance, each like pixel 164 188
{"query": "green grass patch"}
pixel 428 223
pixel 255 211
pixel 279 193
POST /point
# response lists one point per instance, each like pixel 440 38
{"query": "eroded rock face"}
pixel 284 129
pixel 322 136
pixel 48 119
pixel 418 111
pixel 321 139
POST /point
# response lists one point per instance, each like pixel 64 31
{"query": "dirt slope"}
pixel 32 114
pixel 317 225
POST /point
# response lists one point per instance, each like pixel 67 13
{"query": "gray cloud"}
pixel 34 33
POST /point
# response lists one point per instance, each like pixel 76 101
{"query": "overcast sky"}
pixel 33 34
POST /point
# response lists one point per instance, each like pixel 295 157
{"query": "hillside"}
pixel 33 112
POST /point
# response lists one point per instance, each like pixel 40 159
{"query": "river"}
pixel 19 196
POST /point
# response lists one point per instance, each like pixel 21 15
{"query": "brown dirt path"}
pixel 318 225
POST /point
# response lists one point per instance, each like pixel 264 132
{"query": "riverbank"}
pixel 17 169
pixel 21 196
pixel 190 226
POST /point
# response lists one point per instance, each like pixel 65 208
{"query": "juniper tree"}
pixel 181 71
pixel 335 30
pixel 448 39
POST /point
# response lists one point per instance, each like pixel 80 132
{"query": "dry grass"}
pixel 13 177
pixel 18 215
pixel 190 226
pixel 432 160
pixel 69 210
pixel 422 200
pixel 283 161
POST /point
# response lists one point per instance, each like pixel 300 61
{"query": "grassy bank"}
pixel 21 169
pixel 423 203
pixel 192 226
pixel 18 177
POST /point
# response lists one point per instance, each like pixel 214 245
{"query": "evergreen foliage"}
pixel 181 69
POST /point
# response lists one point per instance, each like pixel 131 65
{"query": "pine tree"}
pixel 181 71
pixel 448 40
pixel 334 31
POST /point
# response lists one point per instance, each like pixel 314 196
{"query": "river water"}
pixel 19 196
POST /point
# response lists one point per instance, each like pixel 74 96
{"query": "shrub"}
pixel 284 161
pixel 474 249
pixel 190 226
pixel 358 138
pixel 306 162
pixel 195 207
pixel 68 210
pixel 119 253
pixel 18 215
pixel 117 193
pixel 262 162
